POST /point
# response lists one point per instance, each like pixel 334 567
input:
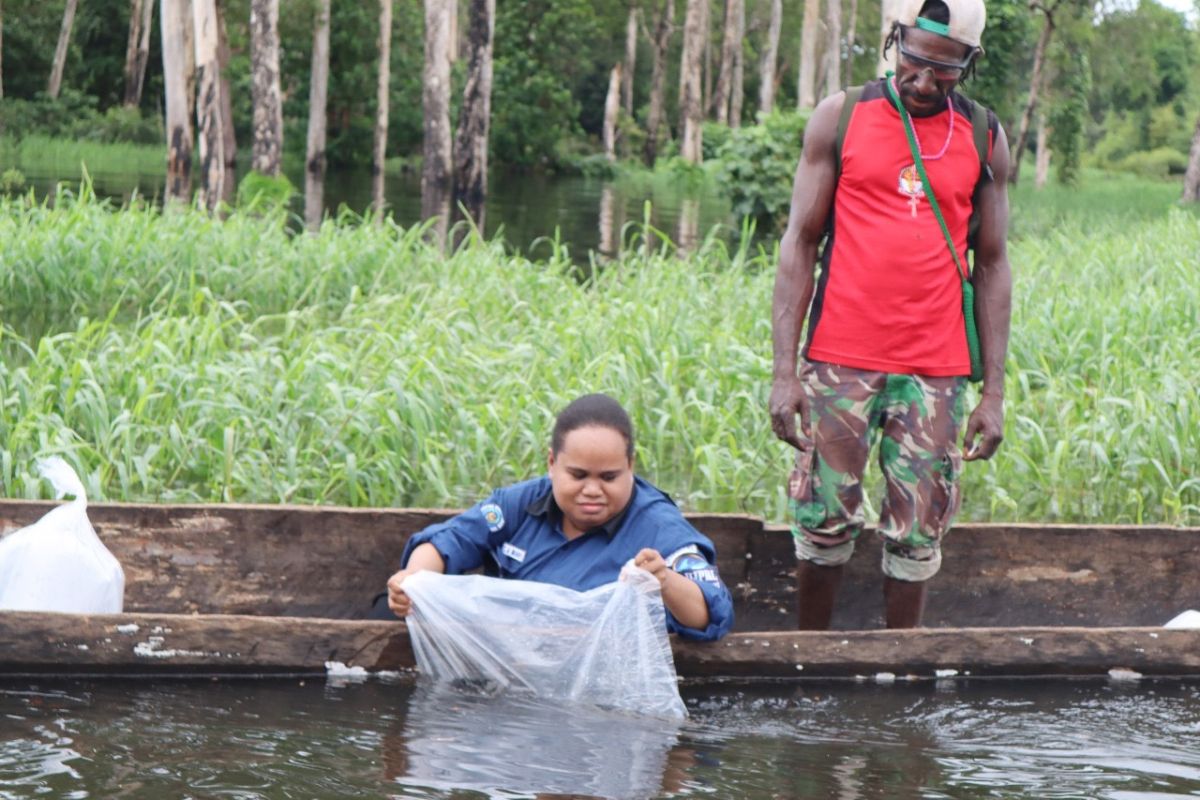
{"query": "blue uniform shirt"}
pixel 517 533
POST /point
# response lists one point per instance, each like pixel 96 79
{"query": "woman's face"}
pixel 592 478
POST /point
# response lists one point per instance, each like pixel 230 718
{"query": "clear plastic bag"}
pixel 59 563
pixel 606 647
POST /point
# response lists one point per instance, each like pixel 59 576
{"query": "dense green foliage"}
pixel 552 62
pixel 756 165
pixel 172 356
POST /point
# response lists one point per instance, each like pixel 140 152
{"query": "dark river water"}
pixel 328 738
pixel 527 210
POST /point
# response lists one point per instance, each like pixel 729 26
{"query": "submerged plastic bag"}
pixel 606 647
pixel 59 563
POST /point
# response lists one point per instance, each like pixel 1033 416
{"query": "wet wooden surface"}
pixel 329 562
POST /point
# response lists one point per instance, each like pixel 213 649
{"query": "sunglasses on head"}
pixel 942 70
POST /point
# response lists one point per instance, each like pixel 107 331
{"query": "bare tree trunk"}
pixel 833 53
pixel 851 32
pixel 731 41
pixel 706 68
pixel 318 88
pixel 268 104
pixel 230 146
pixel 630 63
pixel 60 51
pixel 770 54
pixel 1 58
pixel 737 92
pixel 379 150
pixel 435 100
pixel 612 107
pixel 177 81
pixel 661 40
pixel 806 89
pixel 1191 178
pixel 691 109
pixel 474 119
pixel 1035 83
pixel 889 11
pixel 1043 153
pixel 208 104
pixel 138 12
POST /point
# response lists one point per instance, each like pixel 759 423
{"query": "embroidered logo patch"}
pixel 689 562
pixel 493 516
pixel 512 551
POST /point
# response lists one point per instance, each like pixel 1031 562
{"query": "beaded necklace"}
pixel 949 133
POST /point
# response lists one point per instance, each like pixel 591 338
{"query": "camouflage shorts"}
pixel 916 421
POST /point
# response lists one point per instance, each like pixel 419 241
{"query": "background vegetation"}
pixel 174 357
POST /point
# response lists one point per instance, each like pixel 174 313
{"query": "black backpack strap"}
pixel 853 93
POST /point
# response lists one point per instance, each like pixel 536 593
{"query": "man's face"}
pixel 928 68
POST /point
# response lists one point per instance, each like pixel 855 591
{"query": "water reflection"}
pixel 451 740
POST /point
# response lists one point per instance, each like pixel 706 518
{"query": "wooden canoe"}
pixel 238 589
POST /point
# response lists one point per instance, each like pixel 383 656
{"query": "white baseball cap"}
pixel 967 19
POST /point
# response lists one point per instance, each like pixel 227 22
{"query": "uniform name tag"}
pixel 512 551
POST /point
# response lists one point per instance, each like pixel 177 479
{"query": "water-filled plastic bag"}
pixel 59 563
pixel 606 647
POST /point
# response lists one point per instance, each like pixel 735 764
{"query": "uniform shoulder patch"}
pixel 690 562
pixel 493 516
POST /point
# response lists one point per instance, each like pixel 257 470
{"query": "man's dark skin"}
pixel 923 94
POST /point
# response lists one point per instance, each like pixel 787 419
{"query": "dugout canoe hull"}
pixel 261 590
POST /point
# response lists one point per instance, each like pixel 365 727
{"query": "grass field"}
pixel 172 357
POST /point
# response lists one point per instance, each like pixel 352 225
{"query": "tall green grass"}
pixel 173 357
pixel 72 158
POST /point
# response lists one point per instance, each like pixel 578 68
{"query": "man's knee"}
pixel 911 564
pixel 821 555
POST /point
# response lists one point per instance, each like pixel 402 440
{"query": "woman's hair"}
pixel 598 410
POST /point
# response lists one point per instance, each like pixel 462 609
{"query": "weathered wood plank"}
pixel 205 644
pixel 327 562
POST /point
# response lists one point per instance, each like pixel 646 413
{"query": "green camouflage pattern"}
pixel 915 420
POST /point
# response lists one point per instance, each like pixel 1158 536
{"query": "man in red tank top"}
pixel 885 356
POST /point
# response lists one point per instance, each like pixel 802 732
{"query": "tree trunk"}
pixel 889 11
pixel 731 41
pixel 435 100
pixel 770 54
pixel 1042 173
pixel 833 53
pixel 806 89
pixel 230 145
pixel 1035 83
pixel 208 104
pixel 661 40
pixel 318 87
pixel 177 82
pixel 136 50
pixel 1191 178
pixel 612 107
pixel 474 119
pixel 268 105
pixel 379 149
pixel 60 51
pixel 1 58
pixel 737 92
pixel 630 63
pixel 691 108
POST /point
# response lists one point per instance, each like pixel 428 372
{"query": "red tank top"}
pixel 889 297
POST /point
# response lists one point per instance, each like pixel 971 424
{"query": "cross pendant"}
pixel 912 203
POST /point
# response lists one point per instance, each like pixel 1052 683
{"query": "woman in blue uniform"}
pixel 578 525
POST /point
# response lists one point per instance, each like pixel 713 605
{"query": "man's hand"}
pixel 787 400
pixel 398 601
pixel 985 429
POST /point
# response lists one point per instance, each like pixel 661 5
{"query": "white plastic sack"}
pixel 59 563
pixel 607 647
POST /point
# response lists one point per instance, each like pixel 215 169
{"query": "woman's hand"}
pixel 424 557
pixel 652 561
